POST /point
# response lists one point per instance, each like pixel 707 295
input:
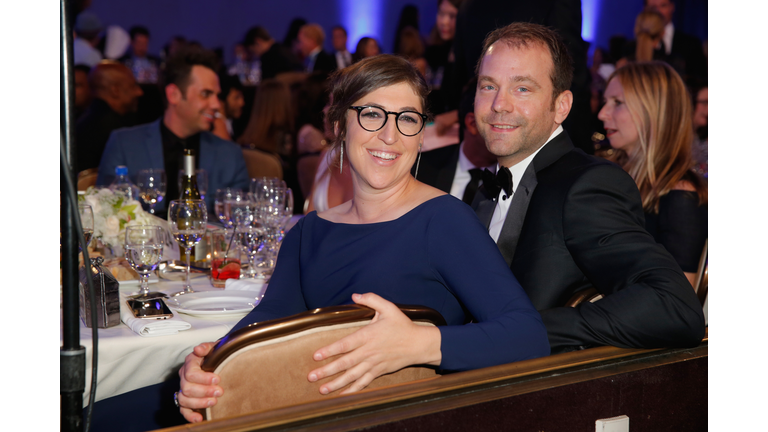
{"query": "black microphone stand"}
pixel 72 356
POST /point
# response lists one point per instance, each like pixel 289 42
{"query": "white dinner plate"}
pixel 206 303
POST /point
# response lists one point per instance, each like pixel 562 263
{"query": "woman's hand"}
pixel 199 389
pixel 389 343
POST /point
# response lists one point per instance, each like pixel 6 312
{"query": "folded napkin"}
pixel 246 285
pixel 150 327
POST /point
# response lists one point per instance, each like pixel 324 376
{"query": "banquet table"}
pixel 128 361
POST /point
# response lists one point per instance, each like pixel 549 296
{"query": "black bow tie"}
pixel 494 183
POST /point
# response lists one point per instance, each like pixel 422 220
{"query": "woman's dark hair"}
pixel 359 53
pixel 354 82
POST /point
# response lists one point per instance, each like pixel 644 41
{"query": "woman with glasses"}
pixel 396 241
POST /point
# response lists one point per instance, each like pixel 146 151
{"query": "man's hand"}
pixel 199 389
pixel 389 343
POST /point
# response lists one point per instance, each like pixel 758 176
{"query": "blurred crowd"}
pixel 271 98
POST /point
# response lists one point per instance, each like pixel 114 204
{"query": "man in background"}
pixel 232 102
pixel 458 169
pixel 144 66
pixel 273 57
pixel 115 99
pixel 339 40
pixel 682 51
pixel 82 89
pixel 87 35
pixel 311 39
pixel 191 89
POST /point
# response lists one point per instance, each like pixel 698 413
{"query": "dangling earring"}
pixel 341 158
pixel 418 160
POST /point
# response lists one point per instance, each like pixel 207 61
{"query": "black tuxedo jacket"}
pixel 324 62
pixel 576 222
pixel 438 167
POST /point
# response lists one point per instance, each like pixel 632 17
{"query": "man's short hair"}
pixel 138 30
pixel 254 33
pixel 85 68
pixel 227 83
pixel 522 34
pixel 314 32
pixel 338 27
pixel 179 66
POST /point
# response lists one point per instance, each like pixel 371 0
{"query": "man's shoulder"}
pixel 221 145
pixel 134 132
pixel 576 163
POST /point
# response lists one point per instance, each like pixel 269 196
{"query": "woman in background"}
pixel 366 47
pixel 270 127
pixel 647 118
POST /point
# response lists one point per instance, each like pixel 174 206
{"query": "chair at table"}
pixel 590 295
pixel 87 178
pixel 265 365
pixel 262 164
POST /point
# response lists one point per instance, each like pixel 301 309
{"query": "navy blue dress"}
pixel 437 255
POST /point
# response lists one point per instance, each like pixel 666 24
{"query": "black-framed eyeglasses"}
pixel 372 119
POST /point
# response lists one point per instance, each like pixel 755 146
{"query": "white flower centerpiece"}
pixel 111 214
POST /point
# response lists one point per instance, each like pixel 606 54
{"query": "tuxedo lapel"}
pixel 513 224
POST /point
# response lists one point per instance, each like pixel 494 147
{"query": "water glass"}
pixel 144 250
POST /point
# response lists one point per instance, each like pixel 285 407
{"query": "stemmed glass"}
pixel 225 200
pixel 144 250
pixel 251 234
pixel 187 220
pixel 152 185
pixel 86 220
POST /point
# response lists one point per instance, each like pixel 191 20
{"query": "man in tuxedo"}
pixel 458 168
pixel 311 39
pixel 115 100
pixel 339 39
pixel 191 89
pixel 273 57
pixel 683 51
pixel 566 221
pixel 477 18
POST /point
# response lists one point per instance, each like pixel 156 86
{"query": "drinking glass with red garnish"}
pixel 225 260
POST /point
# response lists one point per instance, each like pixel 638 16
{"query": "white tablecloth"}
pixel 128 361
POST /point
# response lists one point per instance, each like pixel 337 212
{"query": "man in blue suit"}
pixel 190 87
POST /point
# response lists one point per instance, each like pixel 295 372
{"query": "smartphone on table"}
pixel 150 309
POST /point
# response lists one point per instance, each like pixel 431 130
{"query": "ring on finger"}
pixel 176 399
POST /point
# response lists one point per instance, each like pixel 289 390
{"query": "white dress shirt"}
pixel 669 34
pixel 502 204
pixel 462 177
pixel 343 59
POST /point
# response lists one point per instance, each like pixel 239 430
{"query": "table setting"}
pixel 157 305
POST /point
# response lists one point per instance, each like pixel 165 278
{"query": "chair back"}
pixel 262 164
pixel 702 275
pixel 87 178
pixel 590 295
pixel 265 365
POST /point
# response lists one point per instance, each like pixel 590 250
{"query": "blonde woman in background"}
pixel 647 118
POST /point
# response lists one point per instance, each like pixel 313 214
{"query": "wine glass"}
pixel 187 220
pixel 262 185
pixel 225 199
pixel 86 220
pixel 251 234
pixel 152 184
pixel 144 250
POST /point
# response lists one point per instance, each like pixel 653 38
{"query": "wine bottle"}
pixel 189 179
pixel 189 190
